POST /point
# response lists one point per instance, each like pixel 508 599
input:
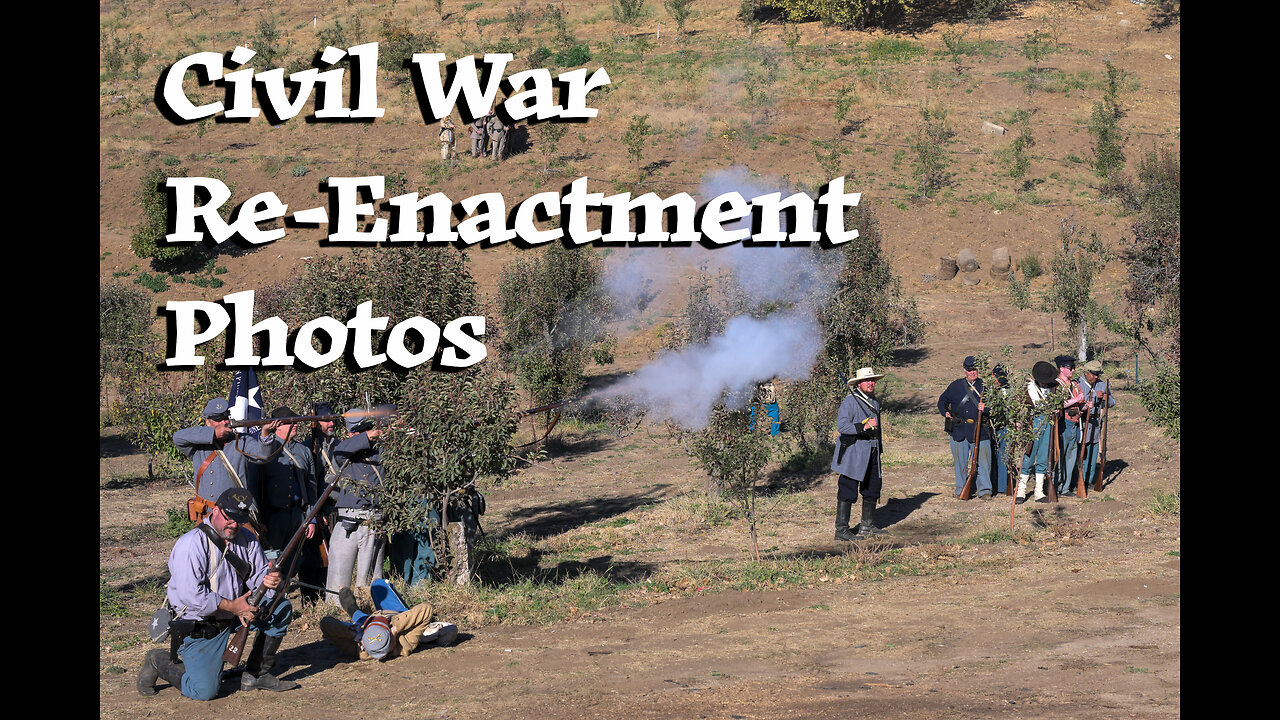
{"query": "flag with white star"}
pixel 246 397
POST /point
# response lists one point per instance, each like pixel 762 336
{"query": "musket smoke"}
pixel 684 386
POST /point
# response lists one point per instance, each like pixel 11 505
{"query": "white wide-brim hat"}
pixel 863 375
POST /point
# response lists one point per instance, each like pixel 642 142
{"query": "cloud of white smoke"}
pixel 684 386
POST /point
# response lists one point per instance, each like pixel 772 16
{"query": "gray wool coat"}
pixel 849 422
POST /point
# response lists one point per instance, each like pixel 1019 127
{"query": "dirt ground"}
pixel 1073 612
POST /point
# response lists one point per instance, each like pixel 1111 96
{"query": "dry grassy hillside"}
pixel 613 584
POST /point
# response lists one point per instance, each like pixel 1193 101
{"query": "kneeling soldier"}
pixel 212 569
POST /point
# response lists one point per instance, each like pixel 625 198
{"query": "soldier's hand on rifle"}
pixel 981 406
pixel 869 423
pixel 375 432
pixel 311 530
pixel 241 608
pixel 222 433
pixel 272 580
pixel 270 427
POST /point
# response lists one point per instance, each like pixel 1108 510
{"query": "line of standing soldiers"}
pixel 1066 438
pixel 489 137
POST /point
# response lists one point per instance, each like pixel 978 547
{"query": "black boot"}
pixel 347 599
pixel 867 527
pixel 843 509
pixel 257 669
pixel 159 665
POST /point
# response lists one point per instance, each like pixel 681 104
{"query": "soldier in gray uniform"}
pixel 479 136
pixel 498 132
pixel 354 546
pixel 286 487
pixel 212 569
pixel 1096 391
pixel 216 460
pixel 857 456
pixel 320 445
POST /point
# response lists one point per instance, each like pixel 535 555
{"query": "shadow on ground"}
pixel 540 521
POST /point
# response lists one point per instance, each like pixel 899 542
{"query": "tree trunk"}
pixel 1082 354
pixel 460 548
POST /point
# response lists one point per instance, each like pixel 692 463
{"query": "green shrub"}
pixel 847 14
pixel 176 523
pixel 1162 397
pixel 573 56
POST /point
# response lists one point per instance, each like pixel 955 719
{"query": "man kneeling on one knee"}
pixel 212 569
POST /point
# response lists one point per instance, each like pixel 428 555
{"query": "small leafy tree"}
pixel 267 43
pixel 734 454
pixel 844 101
pixel 1035 48
pixel 549 137
pixel 1108 140
pixel 123 325
pixel 929 142
pixel 518 16
pixel 637 134
pixel 956 49
pixel 747 16
pixel 554 311
pixel 627 12
pixel 1074 268
pixel 980 13
pixel 1019 157
pixel 679 10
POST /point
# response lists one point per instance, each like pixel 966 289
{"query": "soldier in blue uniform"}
pixel 961 402
pixel 320 445
pixel 286 486
pixel 1096 391
pixel 212 570
pixel 216 460
pixel 857 455
pixel 353 545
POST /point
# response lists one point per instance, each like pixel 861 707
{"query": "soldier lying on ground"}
pixel 390 630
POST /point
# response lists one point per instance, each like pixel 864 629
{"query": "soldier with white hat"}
pixel 857 455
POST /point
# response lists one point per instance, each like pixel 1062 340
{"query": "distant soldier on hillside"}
pixel 447 139
pixel 499 132
pixel 479 137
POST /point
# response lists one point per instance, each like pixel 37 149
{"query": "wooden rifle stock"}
pixel 967 490
pixel 1084 426
pixel 236 647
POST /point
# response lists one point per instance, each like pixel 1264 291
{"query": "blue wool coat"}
pixel 853 411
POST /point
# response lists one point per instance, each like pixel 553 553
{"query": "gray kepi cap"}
pixel 216 409
pixel 376 639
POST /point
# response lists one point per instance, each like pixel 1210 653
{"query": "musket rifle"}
pixel 1054 453
pixel 1084 427
pixel 557 406
pixel 375 414
pixel 236 647
pixel 973 455
pixel 1102 441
